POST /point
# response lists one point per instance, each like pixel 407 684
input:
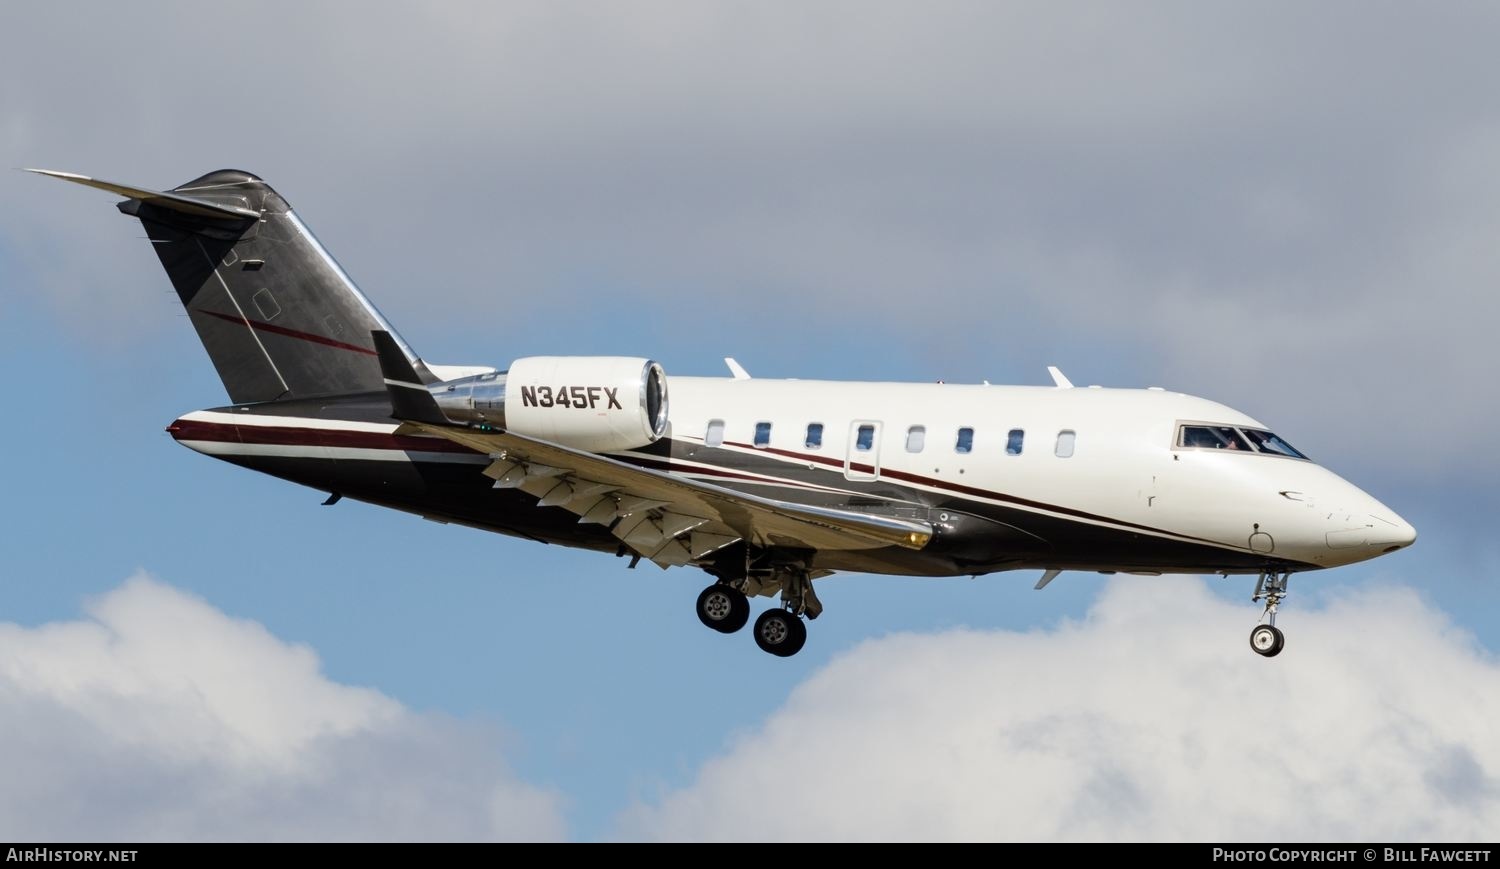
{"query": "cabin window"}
pixel 864 439
pixel 1014 441
pixel 715 435
pixel 965 442
pixel 1065 440
pixel 916 438
pixel 762 435
pixel 814 436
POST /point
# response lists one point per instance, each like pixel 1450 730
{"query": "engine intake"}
pixel 594 403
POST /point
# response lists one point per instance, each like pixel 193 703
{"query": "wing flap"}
pixel 656 509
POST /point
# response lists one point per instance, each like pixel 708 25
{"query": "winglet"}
pixel 196 206
pixel 410 400
pixel 1058 378
pixel 736 369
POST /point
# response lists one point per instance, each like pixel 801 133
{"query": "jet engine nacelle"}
pixel 594 403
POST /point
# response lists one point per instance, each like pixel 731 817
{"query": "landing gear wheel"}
pixel 780 633
pixel 1267 640
pixel 723 608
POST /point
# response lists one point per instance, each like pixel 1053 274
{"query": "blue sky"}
pixel 1306 238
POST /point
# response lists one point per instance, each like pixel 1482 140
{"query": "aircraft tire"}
pixel 1267 640
pixel 723 608
pixel 780 633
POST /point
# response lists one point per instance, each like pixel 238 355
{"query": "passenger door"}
pixel 862 453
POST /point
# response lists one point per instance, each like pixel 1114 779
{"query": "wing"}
pixel 665 517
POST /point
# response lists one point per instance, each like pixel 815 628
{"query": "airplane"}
pixel 765 485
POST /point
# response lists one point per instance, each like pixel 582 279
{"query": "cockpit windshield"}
pixel 1270 443
pixel 1228 437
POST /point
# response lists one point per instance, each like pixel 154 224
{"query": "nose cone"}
pixel 1364 528
pixel 1391 531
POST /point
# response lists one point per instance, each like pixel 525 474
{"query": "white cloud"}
pixel 160 717
pixel 1149 719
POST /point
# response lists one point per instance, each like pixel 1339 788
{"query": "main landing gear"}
pixel 781 631
pixel 1267 639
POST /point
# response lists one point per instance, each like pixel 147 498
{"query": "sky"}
pixel 1289 209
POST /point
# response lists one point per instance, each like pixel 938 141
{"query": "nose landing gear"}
pixel 1266 639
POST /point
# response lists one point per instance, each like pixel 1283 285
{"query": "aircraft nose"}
pixel 1366 528
pixel 1391 532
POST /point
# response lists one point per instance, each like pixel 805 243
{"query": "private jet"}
pixel 765 485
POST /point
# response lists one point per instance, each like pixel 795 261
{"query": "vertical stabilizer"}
pixel 278 316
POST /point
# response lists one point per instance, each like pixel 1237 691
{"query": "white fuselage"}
pixel 1007 476
pixel 1123 465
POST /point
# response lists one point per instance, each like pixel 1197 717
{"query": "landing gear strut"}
pixel 1267 639
pixel 797 593
pixel 782 632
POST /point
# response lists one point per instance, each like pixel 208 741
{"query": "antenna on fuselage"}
pixel 1059 378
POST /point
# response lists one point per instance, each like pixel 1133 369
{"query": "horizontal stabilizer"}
pixel 171 201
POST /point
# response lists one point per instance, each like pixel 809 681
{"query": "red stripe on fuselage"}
pixel 200 430
pixel 961 489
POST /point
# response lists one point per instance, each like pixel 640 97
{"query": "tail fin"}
pixel 277 315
